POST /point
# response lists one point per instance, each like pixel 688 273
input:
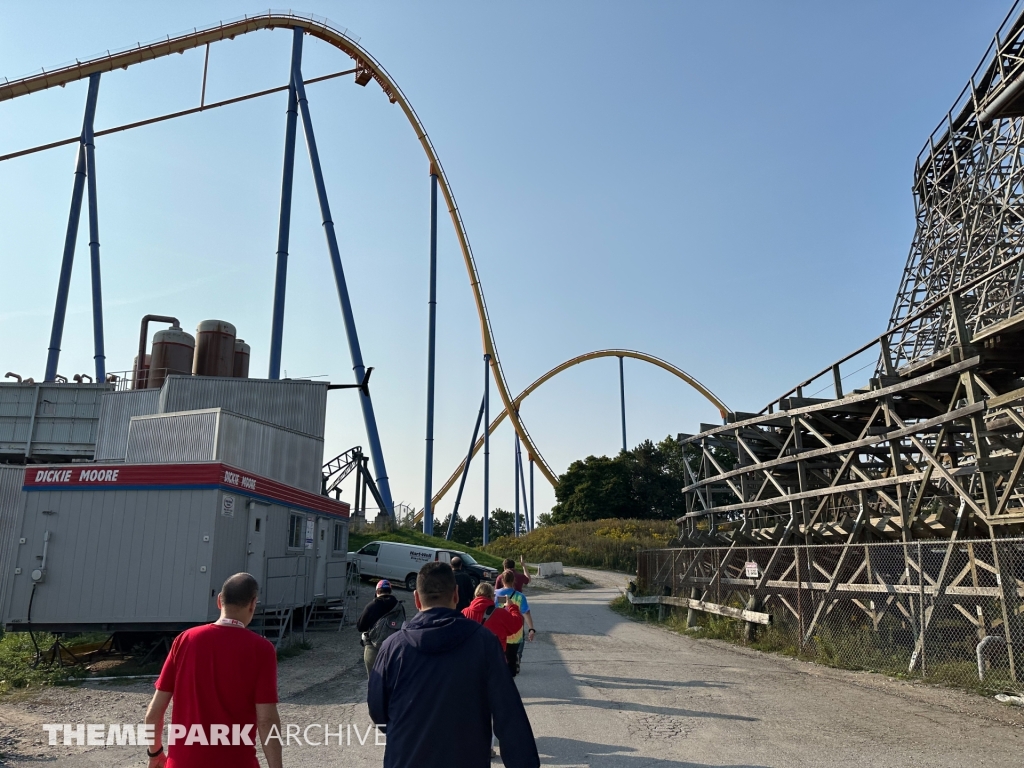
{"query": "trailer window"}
pixel 339 537
pixel 295 531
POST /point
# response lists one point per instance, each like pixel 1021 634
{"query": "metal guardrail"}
pixel 286 582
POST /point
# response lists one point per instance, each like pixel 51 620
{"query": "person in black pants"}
pixel 441 684
pixel 465 584
pixel 374 611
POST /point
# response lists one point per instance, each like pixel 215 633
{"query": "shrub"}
pixel 610 544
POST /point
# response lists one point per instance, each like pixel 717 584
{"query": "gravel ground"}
pixel 603 692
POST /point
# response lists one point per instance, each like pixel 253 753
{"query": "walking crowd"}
pixel 440 688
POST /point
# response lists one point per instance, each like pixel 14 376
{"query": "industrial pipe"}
pixel 985 641
pixel 12 375
pixel 144 335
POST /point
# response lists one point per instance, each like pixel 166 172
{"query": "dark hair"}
pixel 239 590
pixel 457 563
pixel 435 583
pixel 508 564
pixel 508 578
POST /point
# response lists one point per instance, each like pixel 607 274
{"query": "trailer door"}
pixel 256 543
pixel 323 529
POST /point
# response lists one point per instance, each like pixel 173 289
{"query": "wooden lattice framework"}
pixel 931 447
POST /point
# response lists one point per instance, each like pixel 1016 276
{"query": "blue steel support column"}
pixel 527 507
pixel 487 447
pixel 515 459
pixel 99 354
pixel 372 436
pixel 428 482
pixel 70 238
pixel 533 509
pixel 285 219
pixel 465 473
pixel 622 402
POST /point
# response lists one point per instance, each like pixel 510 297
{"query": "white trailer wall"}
pixel 11 478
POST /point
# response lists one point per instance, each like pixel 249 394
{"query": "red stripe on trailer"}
pixel 143 476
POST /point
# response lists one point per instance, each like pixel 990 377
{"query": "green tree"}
pixel 501 523
pixel 654 491
pixel 467 530
pixel 644 483
pixel 592 489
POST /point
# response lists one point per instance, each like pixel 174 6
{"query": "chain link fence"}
pixel 950 612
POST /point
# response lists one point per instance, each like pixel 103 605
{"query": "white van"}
pixel 398 563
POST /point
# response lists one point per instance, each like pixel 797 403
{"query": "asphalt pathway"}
pixel 601 691
pixel 606 692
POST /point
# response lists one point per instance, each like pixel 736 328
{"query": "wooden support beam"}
pixel 755 617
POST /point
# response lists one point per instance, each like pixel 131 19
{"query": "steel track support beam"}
pixel 88 140
pixel 372 435
pixel 515 480
pixel 284 222
pixel 622 402
pixel 428 473
pixel 71 237
pixel 465 473
pixel 533 509
pixel 487 447
pixel 527 505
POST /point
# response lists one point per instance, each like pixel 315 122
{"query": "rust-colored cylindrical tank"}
pixel 173 352
pixel 241 368
pixel 215 349
pixel 140 376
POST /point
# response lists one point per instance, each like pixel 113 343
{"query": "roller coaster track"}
pixel 322 30
pixel 723 409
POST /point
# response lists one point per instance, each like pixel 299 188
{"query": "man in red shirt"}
pixel 503 622
pixel 522 579
pixel 223 680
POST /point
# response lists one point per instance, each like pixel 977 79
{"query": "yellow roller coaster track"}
pixel 322 30
pixel 663 364
pixel 340 39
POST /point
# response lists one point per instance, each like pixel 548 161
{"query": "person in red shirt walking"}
pixel 503 622
pixel 522 579
pixel 223 681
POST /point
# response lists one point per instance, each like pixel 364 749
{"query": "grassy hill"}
pixel 611 544
pixel 409 536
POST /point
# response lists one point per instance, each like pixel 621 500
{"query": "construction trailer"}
pixel 133 500
pixel 145 547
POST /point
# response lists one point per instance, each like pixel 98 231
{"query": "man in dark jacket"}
pixel 440 683
pixel 374 611
pixel 465 584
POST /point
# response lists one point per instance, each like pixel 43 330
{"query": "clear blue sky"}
pixel 725 185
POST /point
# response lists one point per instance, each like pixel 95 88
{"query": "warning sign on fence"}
pixel 751 570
